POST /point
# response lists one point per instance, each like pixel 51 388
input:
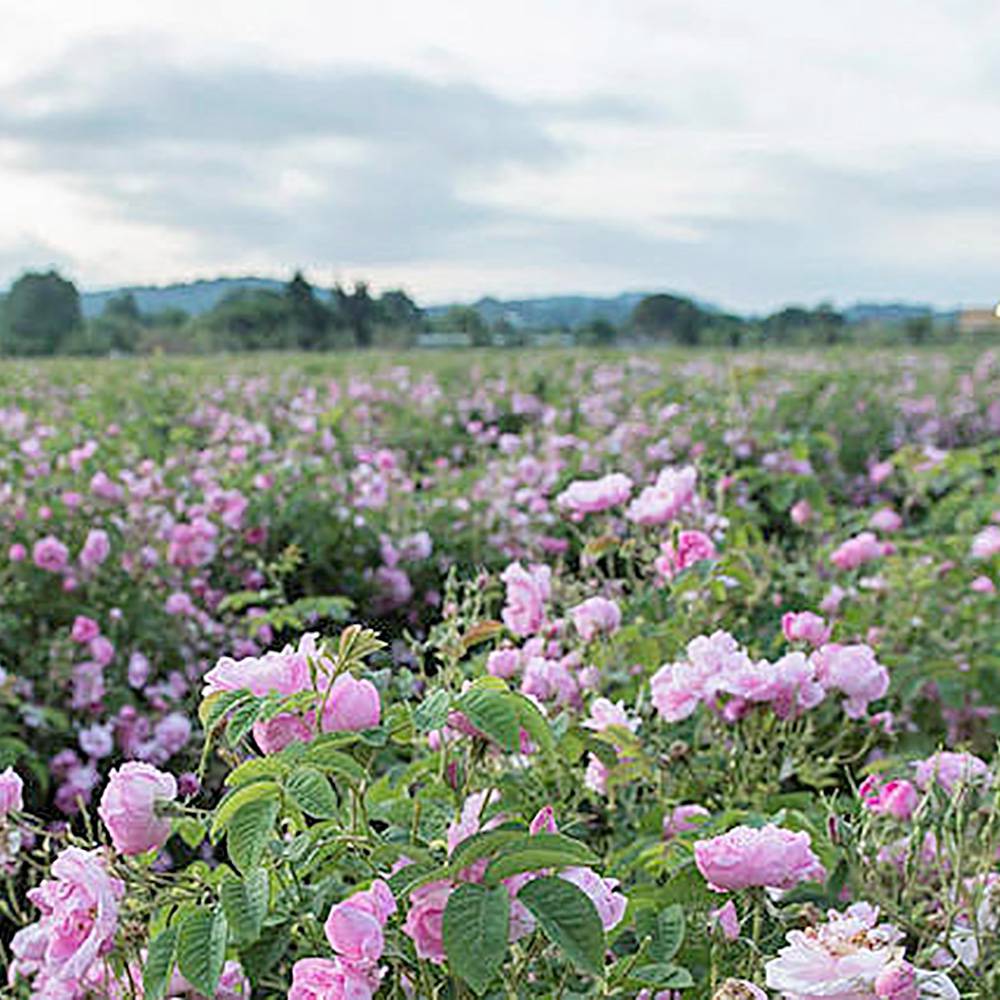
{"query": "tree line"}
pixel 41 315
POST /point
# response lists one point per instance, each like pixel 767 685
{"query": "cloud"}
pixel 328 165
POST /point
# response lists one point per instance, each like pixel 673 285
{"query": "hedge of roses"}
pixel 667 677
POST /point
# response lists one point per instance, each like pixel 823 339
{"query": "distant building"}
pixel 979 321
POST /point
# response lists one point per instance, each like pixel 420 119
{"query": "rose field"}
pixel 666 675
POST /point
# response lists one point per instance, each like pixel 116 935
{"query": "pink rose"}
pixel 854 671
pixel 950 769
pixel 11 792
pixel 503 663
pixel 610 905
pixel 129 807
pixel 885 519
pixel 95 549
pixel 768 856
pixel 595 616
pixel 79 916
pixel 527 592
pixel 354 926
pixel 859 550
pixel 682 819
pixel 591 496
pixel 424 921
pixel 286 672
pixel 897 982
pixel 351 705
pixel 273 735
pixel 692 547
pixel 804 626
pixel 666 498
pixel 986 544
pixel 727 920
pixel 50 554
pixel 84 629
pixel 897 798
pixel 17 553
pixel 801 512
pixel 330 979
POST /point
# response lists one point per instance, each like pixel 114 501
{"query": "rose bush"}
pixel 642 701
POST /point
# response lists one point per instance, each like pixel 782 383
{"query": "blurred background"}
pixel 529 173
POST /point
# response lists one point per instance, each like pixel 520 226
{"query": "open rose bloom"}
pixel 852 957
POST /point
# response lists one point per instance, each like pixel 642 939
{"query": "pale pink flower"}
pixel 727 920
pixel 805 626
pixel 591 496
pixel 673 490
pixel 130 807
pixel 854 671
pixel 885 519
pixel 424 921
pixel 987 543
pixel 351 705
pixel 50 554
pixel 692 547
pixel 769 856
pixel 595 616
pixel 331 979
pixel 949 769
pixel 858 550
pixel 610 905
pixel 527 592
pixel 683 819
pixel 801 512
pixel 79 916
pixel 11 792
pixel 95 549
pixel 84 629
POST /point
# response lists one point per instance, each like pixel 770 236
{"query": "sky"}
pixel 750 154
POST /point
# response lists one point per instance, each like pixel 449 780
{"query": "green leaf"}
pixel 256 769
pixel 190 830
pixel 492 711
pixel 248 832
pixel 244 901
pixel 201 949
pixel 432 713
pixel 265 953
pixel 312 792
pixel 215 706
pixel 475 930
pixel 543 850
pixel 568 919
pixel 258 791
pixel 159 964
pixel 241 721
pixel 325 755
pixel 669 934
pixel 483 844
pixel 533 722
pixel 663 976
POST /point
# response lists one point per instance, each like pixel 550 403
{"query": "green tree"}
pixel 599 332
pixel 358 311
pixel 918 329
pixel 307 316
pixel 40 313
pixel 251 320
pixel 465 319
pixel 668 317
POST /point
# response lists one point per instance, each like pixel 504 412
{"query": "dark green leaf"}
pixel 568 919
pixel 475 929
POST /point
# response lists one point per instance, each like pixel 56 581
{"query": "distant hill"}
pixel 891 312
pixel 553 311
pixel 194 297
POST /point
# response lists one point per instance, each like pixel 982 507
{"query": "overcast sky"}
pixel 750 152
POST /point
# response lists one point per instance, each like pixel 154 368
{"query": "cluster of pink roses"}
pixel 720 674
pixel 354 930
pixel 343 702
